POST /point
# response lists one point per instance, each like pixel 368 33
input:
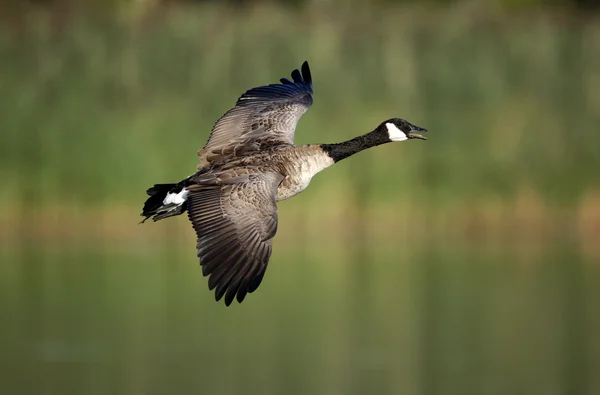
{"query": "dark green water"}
pixel 459 320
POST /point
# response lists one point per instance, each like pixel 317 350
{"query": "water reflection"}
pixel 452 320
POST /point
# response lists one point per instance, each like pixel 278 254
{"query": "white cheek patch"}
pixel 394 133
pixel 176 198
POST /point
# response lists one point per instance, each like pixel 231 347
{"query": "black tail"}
pixel 154 206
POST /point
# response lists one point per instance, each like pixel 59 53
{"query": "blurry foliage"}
pixel 100 108
pixel 512 4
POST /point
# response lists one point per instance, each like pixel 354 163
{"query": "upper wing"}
pixel 267 113
pixel 235 218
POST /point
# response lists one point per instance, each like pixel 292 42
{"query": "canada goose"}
pixel 249 163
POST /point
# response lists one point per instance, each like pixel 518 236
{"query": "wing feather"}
pixel 265 114
pixel 235 221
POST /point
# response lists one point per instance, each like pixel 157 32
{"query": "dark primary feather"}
pixel 263 114
pixel 299 89
pixel 235 219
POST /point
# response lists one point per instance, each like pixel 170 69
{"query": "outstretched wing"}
pixel 235 218
pixel 264 114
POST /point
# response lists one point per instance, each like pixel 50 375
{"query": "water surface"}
pixel 452 320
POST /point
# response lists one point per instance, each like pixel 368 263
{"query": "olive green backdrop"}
pixel 464 264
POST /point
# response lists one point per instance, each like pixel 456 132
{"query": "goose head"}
pixel 399 129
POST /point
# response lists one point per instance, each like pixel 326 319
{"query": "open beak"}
pixel 413 135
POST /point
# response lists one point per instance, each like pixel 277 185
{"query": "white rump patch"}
pixel 394 133
pixel 176 198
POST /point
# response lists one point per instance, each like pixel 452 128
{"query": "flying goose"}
pixel 249 163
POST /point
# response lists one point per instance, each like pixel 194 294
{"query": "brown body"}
pixel 296 164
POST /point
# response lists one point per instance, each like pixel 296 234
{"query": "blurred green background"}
pixel 465 264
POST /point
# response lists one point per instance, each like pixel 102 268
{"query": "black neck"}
pixel 340 151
